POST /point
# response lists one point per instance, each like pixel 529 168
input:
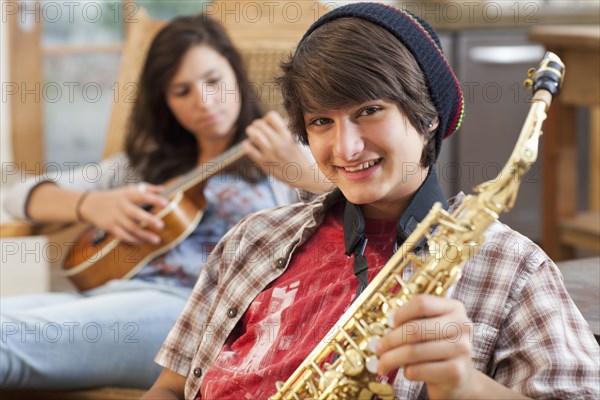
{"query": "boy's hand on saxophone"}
pixel 431 340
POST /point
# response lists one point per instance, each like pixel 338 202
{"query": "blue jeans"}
pixel 104 337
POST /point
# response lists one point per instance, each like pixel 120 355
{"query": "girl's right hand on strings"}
pixel 119 211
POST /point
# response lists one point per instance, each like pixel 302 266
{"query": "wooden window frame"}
pixel 26 55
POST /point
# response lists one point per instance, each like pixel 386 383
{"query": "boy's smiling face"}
pixel 371 152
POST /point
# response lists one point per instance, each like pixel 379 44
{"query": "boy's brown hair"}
pixel 334 68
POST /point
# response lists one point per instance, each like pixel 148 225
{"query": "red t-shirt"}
pixel 289 318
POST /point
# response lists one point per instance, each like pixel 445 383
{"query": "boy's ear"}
pixel 434 124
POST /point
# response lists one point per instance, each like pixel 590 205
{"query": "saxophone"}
pixel 351 342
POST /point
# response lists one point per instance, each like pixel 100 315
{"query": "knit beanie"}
pixel 424 44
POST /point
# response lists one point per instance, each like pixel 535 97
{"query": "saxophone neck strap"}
pixel 355 242
pixel 355 239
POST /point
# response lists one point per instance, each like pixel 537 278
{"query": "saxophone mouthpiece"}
pixel 546 81
pixel 549 75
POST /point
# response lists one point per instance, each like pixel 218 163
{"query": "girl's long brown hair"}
pixel 156 144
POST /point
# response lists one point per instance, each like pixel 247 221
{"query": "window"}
pixel 69 76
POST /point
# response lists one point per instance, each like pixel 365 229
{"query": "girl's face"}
pixel 371 152
pixel 204 96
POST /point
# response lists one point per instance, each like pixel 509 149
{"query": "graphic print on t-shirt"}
pixel 268 329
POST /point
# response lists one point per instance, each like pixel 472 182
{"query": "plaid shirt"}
pixel 528 334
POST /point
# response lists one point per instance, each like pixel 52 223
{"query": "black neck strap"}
pixel 355 240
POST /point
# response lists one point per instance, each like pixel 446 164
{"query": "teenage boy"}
pixel 370 92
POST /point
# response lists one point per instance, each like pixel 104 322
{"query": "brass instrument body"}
pixel 451 240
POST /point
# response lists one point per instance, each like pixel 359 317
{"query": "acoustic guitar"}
pixel 97 256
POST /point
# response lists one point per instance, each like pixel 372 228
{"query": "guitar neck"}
pixel 205 171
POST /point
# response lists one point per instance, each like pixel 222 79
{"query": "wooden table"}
pixel 563 227
pixel 582 279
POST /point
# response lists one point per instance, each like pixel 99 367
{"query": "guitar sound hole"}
pixel 99 236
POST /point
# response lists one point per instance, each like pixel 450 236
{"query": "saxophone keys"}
pixel 372 363
pixel 528 83
pixel 372 343
pixel 354 363
pixel 365 394
pixel 330 377
pixel 390 318
pixel 385 308
pixel 377 328
pixel 383 391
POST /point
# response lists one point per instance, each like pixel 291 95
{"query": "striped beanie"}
pixel 423 42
